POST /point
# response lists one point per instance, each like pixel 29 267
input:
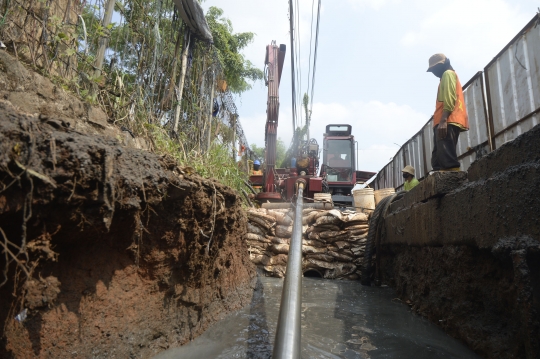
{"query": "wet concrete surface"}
pixel 340 319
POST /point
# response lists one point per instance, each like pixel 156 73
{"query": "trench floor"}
pixel 340 319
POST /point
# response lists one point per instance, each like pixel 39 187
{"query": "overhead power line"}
pixel 315 56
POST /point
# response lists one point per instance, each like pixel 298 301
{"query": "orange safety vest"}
pixel 459 114
pixel 256 173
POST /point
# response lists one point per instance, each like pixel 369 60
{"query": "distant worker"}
pixel 256 168
pixel 410 180
pixel 449 110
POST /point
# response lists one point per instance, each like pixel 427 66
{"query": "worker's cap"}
pixel 409 170
pixel 257 162
pixel 435 60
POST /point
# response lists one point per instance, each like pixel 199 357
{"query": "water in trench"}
pixel 340 319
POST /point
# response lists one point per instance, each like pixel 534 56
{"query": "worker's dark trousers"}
pixel 444 150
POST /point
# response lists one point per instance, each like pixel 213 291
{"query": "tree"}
pixel 238 70
pixel 280 152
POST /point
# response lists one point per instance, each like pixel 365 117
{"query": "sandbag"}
pixel 263 216
pixel 256 237
pixel 281 217
pixel 358 239
pixel 313 236
pixel 327 220
pixel 340 257
pixel 331 240
pixel 312 250
pixel 347 252
pixel 278 240
pixel 256 250
pixel 252 228
pixel 330 234
pixel 336 213
pixel 267 225
pixel 257 244
pixel 310 218
pixel 340 270
pixel 321 257
pixel 275 271
pixel 321 264
pixel 259 259
pixel 342 245
pixel 307 211
pixel 283 231
pixel 279 248
pixel 322 228
pixel 355 226
pixel 355 217
pixel 357 232
pixel 355 223
pixel 313 243
pixel 279 259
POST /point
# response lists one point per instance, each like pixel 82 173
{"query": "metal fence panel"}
pixel 428 138
pixel 397 167
pixel 478 132
pixel 514 85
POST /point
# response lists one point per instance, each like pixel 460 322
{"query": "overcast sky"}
pixel 372 61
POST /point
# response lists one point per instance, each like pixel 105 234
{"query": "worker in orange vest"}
pixel 450 117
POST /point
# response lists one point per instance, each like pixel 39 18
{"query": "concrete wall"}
pixel 464 249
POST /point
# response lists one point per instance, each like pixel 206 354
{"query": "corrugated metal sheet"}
pixel 477 137
pixel 428 137
pixel 514 85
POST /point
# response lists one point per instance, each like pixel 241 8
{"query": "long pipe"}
pixel 287 342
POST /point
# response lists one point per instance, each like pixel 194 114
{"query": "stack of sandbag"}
pixel 342 236
pixel 333 242
pixel 268 238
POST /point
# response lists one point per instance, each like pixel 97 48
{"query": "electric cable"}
pixel 315 55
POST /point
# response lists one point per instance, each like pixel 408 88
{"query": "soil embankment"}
pixel 469 259
pixel 114 252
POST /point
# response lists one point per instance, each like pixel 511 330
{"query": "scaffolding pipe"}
pixel 287 342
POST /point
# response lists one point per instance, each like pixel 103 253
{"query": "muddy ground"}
pixel 113 252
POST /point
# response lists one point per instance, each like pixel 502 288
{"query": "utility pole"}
pixel 104 40
pixel 291 21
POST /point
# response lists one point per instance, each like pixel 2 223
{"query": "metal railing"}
pixel 287 342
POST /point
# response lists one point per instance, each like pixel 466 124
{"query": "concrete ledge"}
pixel 436 185
pixel 524 149
pixel 477 214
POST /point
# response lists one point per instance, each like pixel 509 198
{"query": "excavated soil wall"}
pixel 110 252
pixel 469 260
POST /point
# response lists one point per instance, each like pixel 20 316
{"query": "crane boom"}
pixel 275 57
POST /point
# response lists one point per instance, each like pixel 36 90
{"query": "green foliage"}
pixel 280 153
pixel 238 70
pixel 258 151
pixel 217 163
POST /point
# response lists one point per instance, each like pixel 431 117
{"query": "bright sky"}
pixel 372 61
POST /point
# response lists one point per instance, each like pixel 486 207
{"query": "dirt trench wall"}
pixel 127 254
pixel 469 260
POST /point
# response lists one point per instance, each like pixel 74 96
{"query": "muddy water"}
pixel 339 320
